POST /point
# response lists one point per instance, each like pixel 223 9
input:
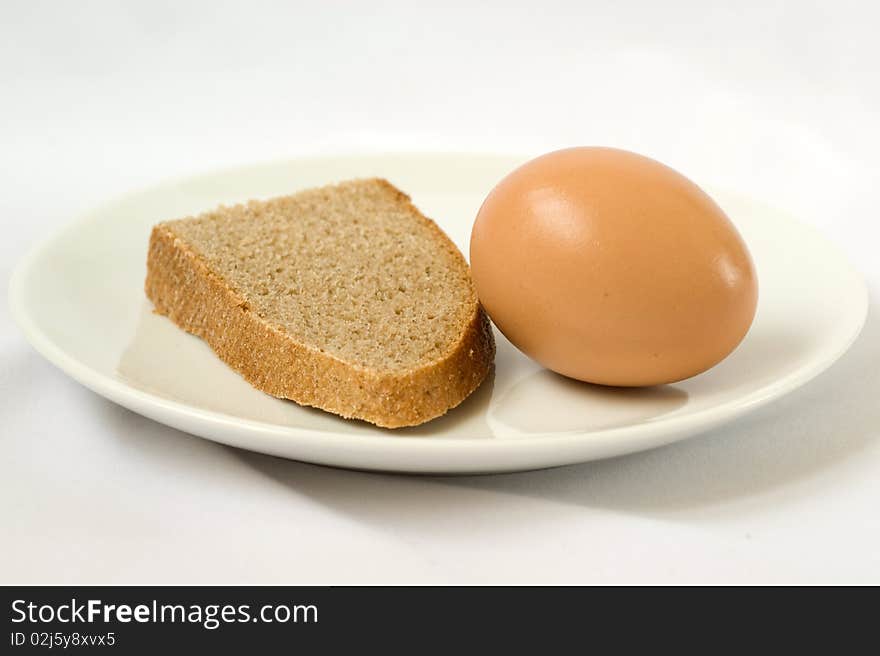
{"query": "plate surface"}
pixel 79 299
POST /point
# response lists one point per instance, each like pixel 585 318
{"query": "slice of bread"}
pixel 345 298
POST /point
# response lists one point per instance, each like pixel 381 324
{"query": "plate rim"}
pixel 670 428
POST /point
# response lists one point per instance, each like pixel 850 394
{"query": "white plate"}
pixel 79 299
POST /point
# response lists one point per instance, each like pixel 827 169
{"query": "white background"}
pixel 779 100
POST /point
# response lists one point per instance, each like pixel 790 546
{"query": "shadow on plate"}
pixel 163 360
pixel 567 405
pixel 832 418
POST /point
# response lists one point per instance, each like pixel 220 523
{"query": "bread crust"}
pixel 183 287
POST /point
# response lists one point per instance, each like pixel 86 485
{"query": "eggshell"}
pixel 609 267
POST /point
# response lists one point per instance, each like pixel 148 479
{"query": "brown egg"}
pixel 609 267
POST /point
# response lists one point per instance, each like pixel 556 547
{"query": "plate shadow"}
pixel 832 418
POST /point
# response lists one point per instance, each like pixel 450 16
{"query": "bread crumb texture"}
pixel 344 298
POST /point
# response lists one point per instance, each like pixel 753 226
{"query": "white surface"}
pixel 91 274
pixel 776 99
